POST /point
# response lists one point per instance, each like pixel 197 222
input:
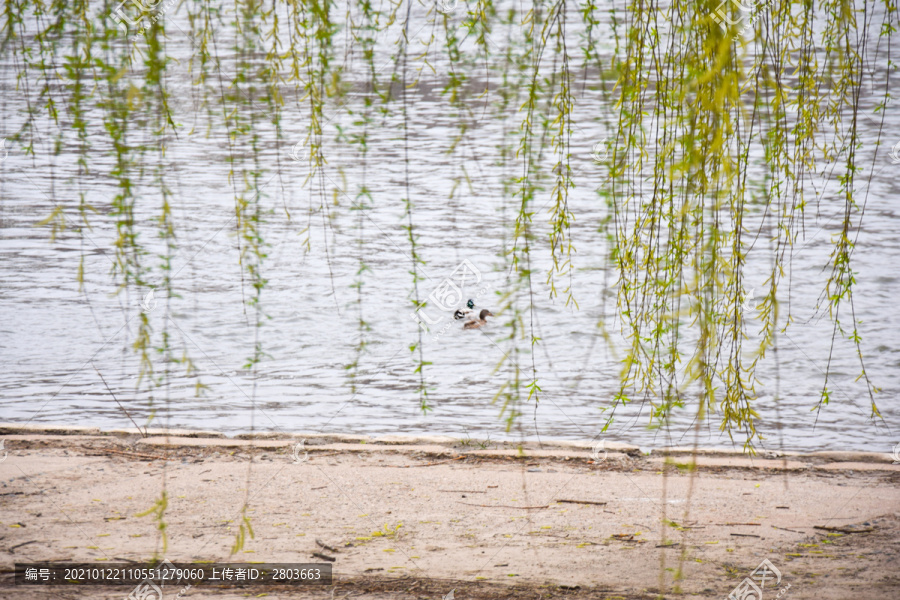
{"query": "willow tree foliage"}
pixel 718 108
pixel 721 110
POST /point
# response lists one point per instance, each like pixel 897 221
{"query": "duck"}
pixel 480 321
pixel 465 313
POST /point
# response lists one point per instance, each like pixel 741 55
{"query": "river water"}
pixel 54 338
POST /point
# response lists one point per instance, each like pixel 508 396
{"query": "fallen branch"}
pixel 504 506
pixel 543 534
pixel 322 544
pixel 130 454
pixel 786 529
pixel 733 524
pixel 843 529
pixel 440 462
pixel 745 535
pixel 582 502
pixel 626 537
pixel 324 556
pixel 12 550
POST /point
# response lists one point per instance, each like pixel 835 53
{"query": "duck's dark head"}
pixel 470 303
pixel 485 313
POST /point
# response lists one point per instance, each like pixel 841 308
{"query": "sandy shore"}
pixel 410 518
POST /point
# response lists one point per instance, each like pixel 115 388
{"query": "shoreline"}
pixel 277 440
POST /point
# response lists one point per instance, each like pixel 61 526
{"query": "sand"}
pixel 413 517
